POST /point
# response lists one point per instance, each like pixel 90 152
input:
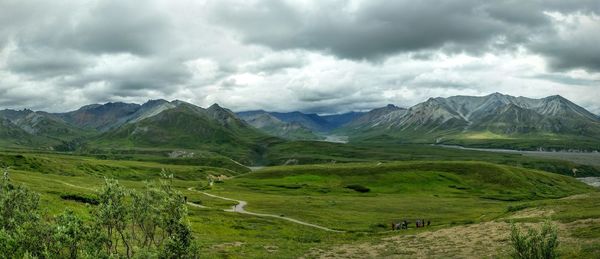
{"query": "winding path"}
pixel 239 208
pixel 74 186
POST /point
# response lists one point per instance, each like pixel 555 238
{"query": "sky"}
pixel 322 56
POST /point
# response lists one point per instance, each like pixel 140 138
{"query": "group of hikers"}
pixel 419 223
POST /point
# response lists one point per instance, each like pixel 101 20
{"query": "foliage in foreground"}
pixel 125 223
pixel 535 244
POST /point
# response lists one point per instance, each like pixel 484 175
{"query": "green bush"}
pixel 124 223
pixel 83 198
pixel 535 244
pixel 358 188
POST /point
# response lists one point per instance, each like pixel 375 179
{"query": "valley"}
pixel 294 185
pixel 585 158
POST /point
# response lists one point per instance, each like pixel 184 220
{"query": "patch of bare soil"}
pixel 531 213
pixel 576 197
pixel 483 240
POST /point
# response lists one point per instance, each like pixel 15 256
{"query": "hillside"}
pixel 100 117
pixel 187 127
pixel 311 121
pixel 339 120
pixel 27 128
pixel 276 127
pixel 483 180
pixel 11 135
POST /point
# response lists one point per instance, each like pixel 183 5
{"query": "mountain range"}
pixel 471 120
pixel 495 120
pixel 297 125
pixel 156 124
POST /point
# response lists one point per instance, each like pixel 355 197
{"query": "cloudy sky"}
pixel 315 56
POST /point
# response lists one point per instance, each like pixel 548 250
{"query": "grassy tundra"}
pixel 477 199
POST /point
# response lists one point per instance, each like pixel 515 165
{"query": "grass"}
pixel 313 152
pixel 412 190
pixel 450 194
pixel 483 135
pixel 525 141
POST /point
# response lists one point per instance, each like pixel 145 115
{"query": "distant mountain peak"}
pixel 555 97
pixel 215 106
pixel 156 101
pixel 496 112
pixel 89 107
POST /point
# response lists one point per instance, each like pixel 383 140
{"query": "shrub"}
pixel 358 188
pixel 535 244
pixel 151 222
pixel 83 198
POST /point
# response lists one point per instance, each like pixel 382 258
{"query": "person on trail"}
pixel 428 223
pixel 405 224
pixel 422 223
pixel 417 224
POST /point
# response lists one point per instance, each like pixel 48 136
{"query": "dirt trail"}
pixel 196 205
pixel 239 208
pixel 75 186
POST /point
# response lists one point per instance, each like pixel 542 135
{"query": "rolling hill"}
pixel 186 126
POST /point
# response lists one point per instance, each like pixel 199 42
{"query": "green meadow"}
pixel 360 198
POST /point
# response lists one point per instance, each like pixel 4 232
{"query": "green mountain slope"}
pixel 188 127
pixel 13 136
pixel 31 129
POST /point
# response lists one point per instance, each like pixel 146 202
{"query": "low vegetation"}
pixel 124 223
pixel 314 152
pixel 535 244
pixel 453 195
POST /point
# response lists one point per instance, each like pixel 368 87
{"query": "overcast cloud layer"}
pixel 313 56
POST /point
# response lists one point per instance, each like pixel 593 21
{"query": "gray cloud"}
pixel 375 29
pixel 44 63
pixel 378 29
pixel 568 80
pixel 101 27
pixel 316 56
pixel 574 43
pixel 276 62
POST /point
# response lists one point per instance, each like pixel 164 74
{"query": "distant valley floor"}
pixel 585 158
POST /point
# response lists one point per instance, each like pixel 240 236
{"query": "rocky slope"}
pixel 276 127
pixel 498 115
